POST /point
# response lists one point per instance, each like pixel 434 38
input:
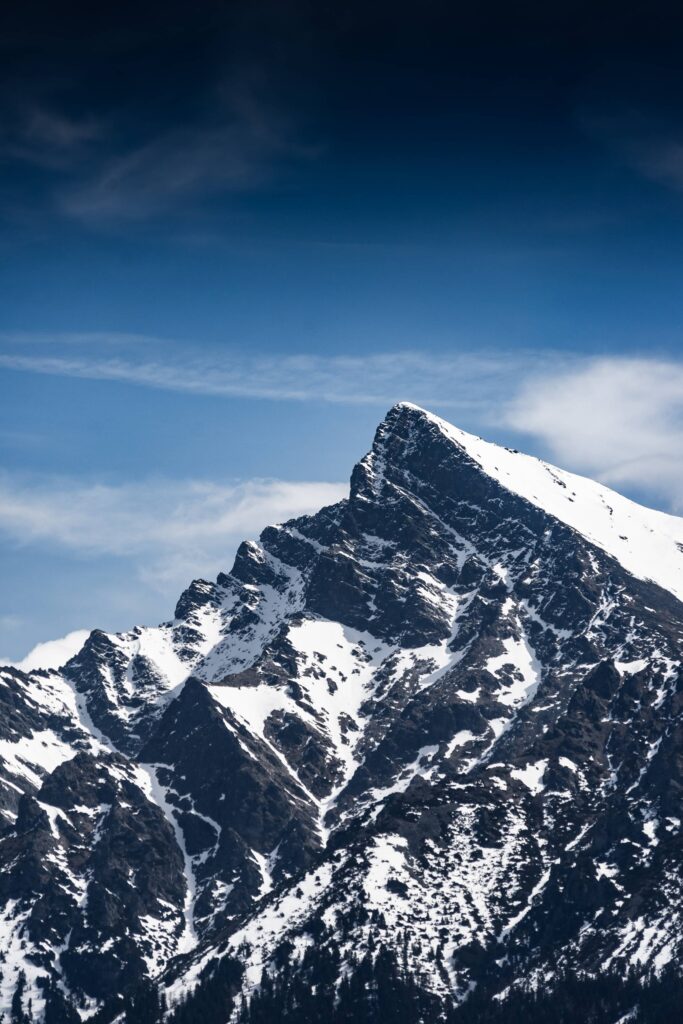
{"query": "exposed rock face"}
pixel 441 719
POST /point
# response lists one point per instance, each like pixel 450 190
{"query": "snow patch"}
pixel 531 776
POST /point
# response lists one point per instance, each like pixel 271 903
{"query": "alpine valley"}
pixel 416 758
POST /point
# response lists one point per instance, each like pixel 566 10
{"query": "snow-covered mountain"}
pixel 414 754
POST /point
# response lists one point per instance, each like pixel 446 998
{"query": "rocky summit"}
pixel 417 757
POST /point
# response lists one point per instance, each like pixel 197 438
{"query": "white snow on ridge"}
pixel 648 543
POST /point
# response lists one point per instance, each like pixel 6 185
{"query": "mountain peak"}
pixel 647 543
pixel 403 416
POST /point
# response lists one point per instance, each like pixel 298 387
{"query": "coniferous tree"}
pixel 18 1016
pixel 59 1009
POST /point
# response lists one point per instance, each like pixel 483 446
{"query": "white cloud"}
pixel 172 530
pixel 617 419
pixel 52 653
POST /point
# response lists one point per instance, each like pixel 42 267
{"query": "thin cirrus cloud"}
pixel 663 162
pixel 111 167
pixel 172 529
pixel 641 138
pixel 237 144
pixel 50 139
pixel 145 180
pixel 469 382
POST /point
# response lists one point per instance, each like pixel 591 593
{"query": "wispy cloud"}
pixel 50 139
pixel 171 530
pixel 643 138
pixel 8 623
pixel 121 165
pixel 201 160
pixel 468 382
pixel 662 160
pixel 123 340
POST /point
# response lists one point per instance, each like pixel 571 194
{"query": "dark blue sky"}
pixel 297 176
pixel 231 234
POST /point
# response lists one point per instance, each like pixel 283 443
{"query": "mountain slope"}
pixel 431 733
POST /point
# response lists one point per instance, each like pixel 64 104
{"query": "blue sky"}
pixel 231 237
